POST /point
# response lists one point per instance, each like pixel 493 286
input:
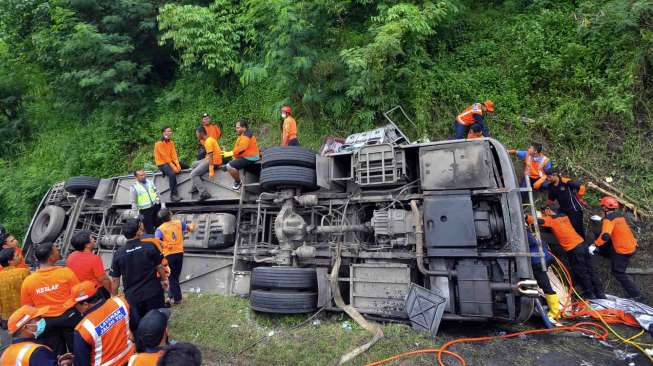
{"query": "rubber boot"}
pixel 554 306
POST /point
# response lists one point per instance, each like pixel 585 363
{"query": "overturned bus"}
pixel 395 229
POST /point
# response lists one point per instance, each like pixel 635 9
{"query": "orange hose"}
pixel 579 327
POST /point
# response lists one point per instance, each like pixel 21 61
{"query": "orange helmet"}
pixel 490 105
pixel 609 202
pixel 286 109
pixel 24 314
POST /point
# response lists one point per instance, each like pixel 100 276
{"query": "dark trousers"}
pixel 618 265
pixel 576 218
pixel 59 331
pixel 175 261
pixel 143 306
pixel 172 176
pixel 293 142
pixel 201 152
pixel 580 262
pixel 542 279
pixel 460 130
pixel 150 218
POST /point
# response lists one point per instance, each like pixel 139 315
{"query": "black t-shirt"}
pixel 136 263
pixel 565 194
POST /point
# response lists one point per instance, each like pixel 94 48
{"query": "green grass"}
pixel 225 329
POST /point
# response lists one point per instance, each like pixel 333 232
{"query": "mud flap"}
pixel 424 308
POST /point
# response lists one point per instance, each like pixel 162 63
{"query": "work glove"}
pixel 591 249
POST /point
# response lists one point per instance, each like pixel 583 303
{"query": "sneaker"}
pixel 237 185
pixel 204 196
pixel 175 197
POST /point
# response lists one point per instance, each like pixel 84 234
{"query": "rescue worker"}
pixel 171 233
pixel 569 195
pixel 145 199
pixel 140 266
pixel 541 277
pixel 288 128
pixel 165 157
pixel 535 165
pixel 87 265
pixel 475 132
pixel 245 152
pixel 617 242
pixel 10 241
pixel 181 354
pixel 580 262
pixel 212 160
pixel 50 286
pixel 11 279
pixel 475 113
pixel 150 337
pixel 25 325
pixel 102 337
pixel 211 130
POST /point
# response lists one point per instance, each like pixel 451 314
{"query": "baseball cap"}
pixel 24 314
pixel 82 291
pixel 152 327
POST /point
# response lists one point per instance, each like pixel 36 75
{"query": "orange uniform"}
pixel 165 152
pixel 213 131
pixel 211 146
pixel 472 135
pixel 20 354
pixel 49 287
pixel 289 130
pixel 106 331
pixel 615 228
pixel 562 228
pixel 173 237
pixel 467 116
pixel 144 359
pixel 246 146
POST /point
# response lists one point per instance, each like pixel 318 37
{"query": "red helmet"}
pixel 286 109
pixel 609 202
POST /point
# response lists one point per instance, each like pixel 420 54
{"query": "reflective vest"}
pixel 467 116
pixel 18 354
pixel 173 237
pixel 106 331
pixel 145 195
pixel 145 359
pixel 535 170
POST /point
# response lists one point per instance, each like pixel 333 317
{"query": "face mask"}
pixel 283 115
pixel 40 328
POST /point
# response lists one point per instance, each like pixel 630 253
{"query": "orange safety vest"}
pixel 467 116
pixel 289 130
pixel 535 170
pixel 472 135
pixel 18 354
pixel 145 359
pixel 173 237
pixel 623 240
pixel 106 331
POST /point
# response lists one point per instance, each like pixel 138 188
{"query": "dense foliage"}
pixel 85 85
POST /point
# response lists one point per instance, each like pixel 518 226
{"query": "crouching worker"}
pixel 151 336
pixel 212 160
pixel 541 277
pixel 102 337
pixel 25 325
pixel 245 152
pixel 617 242
pixel 580 262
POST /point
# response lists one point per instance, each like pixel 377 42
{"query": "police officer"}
pixel 145 199
pixel 102 336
